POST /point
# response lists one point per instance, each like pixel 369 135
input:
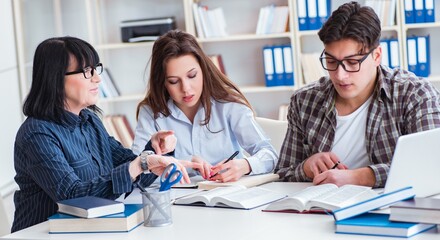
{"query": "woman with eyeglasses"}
pixel 343 128
pixel 62 150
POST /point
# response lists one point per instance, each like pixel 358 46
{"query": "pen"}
pixel 336 165
pixel 227 160
pixel 231 157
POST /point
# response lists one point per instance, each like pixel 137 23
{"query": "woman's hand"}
pixel 157 164
pixel 230 171
pixel 205 169
pixel 163 141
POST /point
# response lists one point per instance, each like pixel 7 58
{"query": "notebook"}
pixel 416 163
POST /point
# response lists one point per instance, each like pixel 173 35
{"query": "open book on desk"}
pixel 232 197
pixel 246 181
pixel 343 202
pixel 326 197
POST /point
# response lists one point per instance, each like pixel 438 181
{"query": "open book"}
pixel 323 197
pixel 246 181
pixel 233 197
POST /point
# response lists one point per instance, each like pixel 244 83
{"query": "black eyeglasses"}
pixel 89 71
pixel 348 64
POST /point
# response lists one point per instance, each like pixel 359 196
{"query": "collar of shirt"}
pixel 72 121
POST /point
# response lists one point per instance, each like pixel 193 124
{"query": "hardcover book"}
pixel 425 210
pixel 90 207
pixel 231 197
pixel 380 225
pixel 322 197
pixel 125 221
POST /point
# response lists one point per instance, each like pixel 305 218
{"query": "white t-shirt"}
pixel 349 144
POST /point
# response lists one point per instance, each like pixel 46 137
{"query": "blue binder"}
pixel 312 15
pixel 302 15
pixel 279 65
pixel 393 45
pixel 429 10
pixel 412 54
pixel 409 11
pixel 419 15
pixel 324 7
pixel 423 56
pixel 268 66
pixel 288 65
pixel 384 44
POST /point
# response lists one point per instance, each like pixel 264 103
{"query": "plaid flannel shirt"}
pixel 402 104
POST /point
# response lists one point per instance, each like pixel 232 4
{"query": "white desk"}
pixel 219 224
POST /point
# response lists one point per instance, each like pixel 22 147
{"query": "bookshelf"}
pixel 98 22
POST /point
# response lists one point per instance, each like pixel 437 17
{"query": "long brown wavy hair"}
pixel 216 85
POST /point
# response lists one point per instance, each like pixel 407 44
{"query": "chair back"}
pixel 275 130
pixel 5 226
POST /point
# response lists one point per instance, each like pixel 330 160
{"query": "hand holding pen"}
pixel 230 170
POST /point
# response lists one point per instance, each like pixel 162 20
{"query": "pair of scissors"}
pixel 170 176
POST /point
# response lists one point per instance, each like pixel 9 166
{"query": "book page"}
pixel 205 197
pixel 344 196
pixel 299 200
pixel 247 198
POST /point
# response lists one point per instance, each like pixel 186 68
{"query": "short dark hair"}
pixel 46 98
pixel 351 21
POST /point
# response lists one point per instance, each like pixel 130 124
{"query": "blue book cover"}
pixel 90 206
pixel 380 225
pixel 125 221
pixel 423 56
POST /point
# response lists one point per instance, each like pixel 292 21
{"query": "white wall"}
pixel 10 100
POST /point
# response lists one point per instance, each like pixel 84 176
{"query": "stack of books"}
pixel 92 214
pixel 273 19
pixel 119 127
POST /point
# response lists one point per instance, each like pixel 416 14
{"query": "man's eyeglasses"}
pixel 348 64
pixel 89 71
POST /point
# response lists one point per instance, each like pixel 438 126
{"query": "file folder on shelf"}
pixel 423 61
pixel 419 17
pixel 279 65
pixel 323 11
pixel 288 66
pixel 312 15
pixel 412 54
pixel 393 45
pixel 302 15
pixel 268 66
pixel 429 11
pixel 409 11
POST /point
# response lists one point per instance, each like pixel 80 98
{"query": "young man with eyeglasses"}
pixel 343 128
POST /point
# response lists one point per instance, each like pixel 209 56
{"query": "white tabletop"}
pixel 222 223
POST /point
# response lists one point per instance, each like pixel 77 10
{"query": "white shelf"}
pixel 245 37
pixel 124 45
pixel 422 25
pixel 125 98
pixel 434 78
pixel 264 89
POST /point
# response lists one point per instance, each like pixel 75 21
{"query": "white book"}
pixel 232 197
pixel 197 20
pixel 323 197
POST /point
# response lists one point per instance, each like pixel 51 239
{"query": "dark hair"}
pixel 352 21
pixel 176 43
pixel 46 99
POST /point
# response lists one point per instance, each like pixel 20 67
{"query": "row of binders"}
pixel 312 14
pixel 273 19
pixel 419 60
pixel 278 65
pixel 390 52
pixel 209 22
pixel 419 11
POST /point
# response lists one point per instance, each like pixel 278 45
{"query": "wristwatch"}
pixel 144 160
